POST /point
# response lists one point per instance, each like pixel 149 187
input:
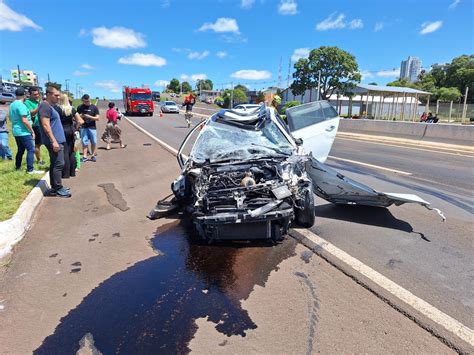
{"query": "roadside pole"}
pixel 464 109
pixel 319 85
pixel 450 111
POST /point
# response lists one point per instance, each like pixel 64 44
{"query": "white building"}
pixel 410 69
pixel 26 76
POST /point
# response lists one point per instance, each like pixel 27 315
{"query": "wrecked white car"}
pixel 249 175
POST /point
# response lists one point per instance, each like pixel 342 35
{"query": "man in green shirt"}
pixel 23 132
pixel 32 103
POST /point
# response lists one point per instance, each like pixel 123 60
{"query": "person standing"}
pixel 23 132
pixel 69 118
pixel 5 152
pixel 90 114
pixel 33 105
pixel 52 136
pixel 112 130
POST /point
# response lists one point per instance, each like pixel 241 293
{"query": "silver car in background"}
pixel 169 107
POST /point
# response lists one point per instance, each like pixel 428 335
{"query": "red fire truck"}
pixel 138 100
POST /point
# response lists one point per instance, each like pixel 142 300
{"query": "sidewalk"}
pixel 77 243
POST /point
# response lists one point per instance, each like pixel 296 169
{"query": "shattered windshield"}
pixel 219 141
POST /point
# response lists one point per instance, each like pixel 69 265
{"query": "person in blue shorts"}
pixel 90 115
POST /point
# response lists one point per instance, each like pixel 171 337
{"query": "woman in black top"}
pixel 71 121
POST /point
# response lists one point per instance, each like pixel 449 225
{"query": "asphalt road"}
pixel 408 244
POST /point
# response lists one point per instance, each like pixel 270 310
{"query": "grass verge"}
pixel 15 185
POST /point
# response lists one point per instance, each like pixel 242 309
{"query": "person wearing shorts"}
pixel 90 115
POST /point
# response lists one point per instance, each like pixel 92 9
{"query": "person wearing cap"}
pixel 22 130
pixel 5 152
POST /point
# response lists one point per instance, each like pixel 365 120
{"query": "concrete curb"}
pixel 15 228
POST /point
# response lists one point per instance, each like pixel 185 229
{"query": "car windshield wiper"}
pixel 271 148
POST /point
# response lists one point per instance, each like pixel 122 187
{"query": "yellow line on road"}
pixel 434 150
pixel 370 165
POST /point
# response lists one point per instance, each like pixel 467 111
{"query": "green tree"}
pixel 205 84
pixel 237 95
pixel 403 82
pixel 288 105
pixel 339 71
pixel 449 94
pixel 373 83
pixel 241 87
pixel 186 87
pixel 173 86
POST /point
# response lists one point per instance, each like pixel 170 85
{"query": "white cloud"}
pixel 165 4
pixel 288 7
pixel 161 83
pixel 429 27
pixel 454 4
pixel 246 4
pixel 80 73
pixel 82 32
pixel 110 85
pixel 221 54
pixel 299 53
pixel 356 24
pixel 379 26
pixel 87 66
pixel 117 37
pixel 222 24
pixel 198 55
pixel 366 74
pixel 193 77
pixel 196 77
pixel 330 23
pixel 146 60
pixel 389 73
pixel 234 38
pixel 13 21
pixel 250 74
pixel 337 23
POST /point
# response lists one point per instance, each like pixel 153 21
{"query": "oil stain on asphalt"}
pixel 151 307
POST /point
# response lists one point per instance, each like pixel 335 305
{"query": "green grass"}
pixel 16 185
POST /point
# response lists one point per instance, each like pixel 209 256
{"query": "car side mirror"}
pixel 299 141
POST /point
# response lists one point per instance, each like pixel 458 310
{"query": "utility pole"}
pixel 232 95
pixel 319 85
pixel 66 81
pixel 464 109
pixel 77 95
pixel 288 79
pixel 19 77
pixel 48 79
pixel 279 74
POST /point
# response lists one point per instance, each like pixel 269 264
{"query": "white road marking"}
pixel 433 150
pixel 447 322
pixel 431 312
pixel 370 165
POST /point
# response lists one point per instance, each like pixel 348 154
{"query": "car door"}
pixel 316 123
pixel 339 189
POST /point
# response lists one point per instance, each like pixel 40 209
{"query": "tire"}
pixel 305 216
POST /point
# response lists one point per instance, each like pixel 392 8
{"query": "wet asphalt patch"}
pixel 151 307
pixel 114 197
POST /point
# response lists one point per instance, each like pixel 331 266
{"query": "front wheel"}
pixel 304 215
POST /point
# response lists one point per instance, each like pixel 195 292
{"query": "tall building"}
pixel 26 76
pixel 410 68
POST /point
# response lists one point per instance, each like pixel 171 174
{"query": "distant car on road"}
pixel 6 97
pixel 169 107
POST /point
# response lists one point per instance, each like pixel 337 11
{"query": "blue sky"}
pixel 103 45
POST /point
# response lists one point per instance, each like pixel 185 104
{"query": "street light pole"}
pixel 66 81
